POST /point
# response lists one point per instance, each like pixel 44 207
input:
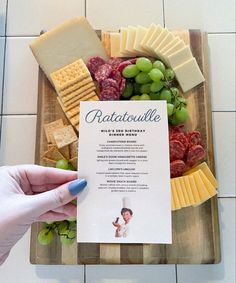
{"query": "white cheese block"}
pixel 123 40
pixel 188 74
pixel 140 34
pixel 157 41
pixel 169 45
pixel 115 44
pixel 148 34
pixel 168 38
pixel 131 34
pixel 177 46
pixel 65 44
pixel 179 57
pixel 152 33
pixel 156 33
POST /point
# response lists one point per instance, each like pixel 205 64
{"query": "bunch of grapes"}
pixel 66 229
pixel 147 80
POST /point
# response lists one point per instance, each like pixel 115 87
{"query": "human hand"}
pixel 30 193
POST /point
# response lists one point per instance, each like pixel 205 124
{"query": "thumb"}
pixel 58 197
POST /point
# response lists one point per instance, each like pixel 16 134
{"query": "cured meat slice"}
pixel 122 85
pixel 177 167
pixel 123 64
pixel 194 138
pixel 109 83
pixel 195 154
pixel 94 63
pixel 180 137
pixel 115 75
pixel 109 93
pixel 133 60
pixel 115 62
pixel 176 129
pixel 103 72
pixel 177 150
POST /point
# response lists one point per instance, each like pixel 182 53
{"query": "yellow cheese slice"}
pixel 175 47
pixel 185 179
pixel 175 195
pixel 147 44
pixel 65 44
pixel 159 39
pixel 202 190
pixel 130 39
pixel 197 199
pixel 140 34
pixel 180 193
pixel 147 36
pixel 179 57
pixel 181 184
pixel 172 203
pixel 188 74
pixel 211 190
pixel 169 45
pixel 115 44
pixel 206 170
pixel 123 40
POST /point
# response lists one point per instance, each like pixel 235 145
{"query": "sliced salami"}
pixel 177 150
pixel 109 93
pixel 194 138
pixel 195 154
pixel 115 62
pixel 122 85
pixel 109 83
pixel 180 137
pixel 122 65
pixel 115 75
pixel 177 168
pixel 133 60
pixel 103 72
pixel 94 63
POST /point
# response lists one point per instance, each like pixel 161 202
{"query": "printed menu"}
pixel 124 156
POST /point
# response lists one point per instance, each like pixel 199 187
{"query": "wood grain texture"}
pixel 195 230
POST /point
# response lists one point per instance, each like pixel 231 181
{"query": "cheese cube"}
pixel 115 44
pixel 65 44
pixel 188 74
pixel 179 57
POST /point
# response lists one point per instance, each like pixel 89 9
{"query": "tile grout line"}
pixel 85 273
pixel 176 273
pixel 85 8
pixel 163 12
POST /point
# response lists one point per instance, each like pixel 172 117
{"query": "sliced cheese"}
pixel 169 45
pixel 140 34
pixel 158 40
pixel 147 45
pixel 188 74
pixel 65 44
pixel 179 57
pixel 195 192
pixel 206 170
pixel 123 40
pixel 130 39
pixel 189 189
pixel 147 36
pixel 175 195
pixel 177 46
pixel 181 184
pixel 115 44
pixel 172 203
pixel 208 185
pixel 180 193
pixel 202 190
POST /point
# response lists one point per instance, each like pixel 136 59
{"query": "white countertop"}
pixel 20 22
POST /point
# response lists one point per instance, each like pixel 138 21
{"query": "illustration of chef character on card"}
pixel 123 229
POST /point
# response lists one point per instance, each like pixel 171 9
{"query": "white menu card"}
pixel 124 156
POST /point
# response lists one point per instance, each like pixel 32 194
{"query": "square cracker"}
pixel 65 151
pixel 74 162
pixel 73 147
pixel 54 154
pixel 49 162
pixel 64 136
pixel 50 127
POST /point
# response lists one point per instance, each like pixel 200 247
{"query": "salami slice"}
pixel 180 137
pixel 177 150
pixel 122 65
pixel 103 72
pixel 195 154
pixel 115 75
pixel 177 168
pixel 194 138
pixel 115 62
pixel 94 63
pixel 133 60
pixel 122 85
pixel 176 129
pixel 109 83
pixel 109 93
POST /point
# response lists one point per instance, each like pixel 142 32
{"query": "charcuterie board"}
pixel 195 229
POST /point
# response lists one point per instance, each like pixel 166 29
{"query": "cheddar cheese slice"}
pixel 211 190
pixel 123 40
pixel 202 190
pixel 197 199
pixel 181 184
pixel 175 195
pixel 180 193
pixel 131 34
pixel 140 34
pixel 189 189
pixel 115 44
pixel 179 57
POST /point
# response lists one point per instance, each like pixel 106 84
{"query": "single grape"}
pixel 71 219
pixel 154 95
pixel 156 86
pixel 170 109
pixel 145 96
pixel 136 88
pixel 135 97
pixel 62 164
pixel 175 91
pixel 128 90
pixel 72 225
pixel 182 101
pixel 173 120
pixel 74 201
pixel 68 238
pixel 166 95
pixel 142 78
pixel 156 75
pixel 159 65
pixel 181 115
pixel 145 88
pixel 169 74
pixel 130 71
pixel 45 236
pixel 62 227
pixel 144 64
pixel 70 167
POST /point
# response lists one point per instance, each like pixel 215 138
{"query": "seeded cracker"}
pixel 54 154
pixel 50 127
pixel 64 136
pixel 73 147
pixel 49 162
pixel 74 162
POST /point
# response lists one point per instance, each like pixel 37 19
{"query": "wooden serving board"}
pixel 195 230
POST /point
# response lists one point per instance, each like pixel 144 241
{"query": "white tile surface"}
pixel 222 71
pixel 18 140
pixel 130 274
pixel 210 15
pixel 21 77
pixel 225 271
pixel 2 43
pixel 40 15
pixel 111 14
pixel 24 272
pixel 2 16
pixel 224 147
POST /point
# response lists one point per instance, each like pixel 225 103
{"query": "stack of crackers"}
pixel 73 83
pixel 62 144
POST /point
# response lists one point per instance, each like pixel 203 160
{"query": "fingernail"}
pixel 77 186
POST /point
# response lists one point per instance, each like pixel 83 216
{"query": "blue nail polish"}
pixel 77 186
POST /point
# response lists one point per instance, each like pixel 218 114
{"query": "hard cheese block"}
pixel 65 44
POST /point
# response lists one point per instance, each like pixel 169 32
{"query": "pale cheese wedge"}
pixel 179 57
pixel 181 184
pixel 115 44
pixel 175 195
pixel 202 190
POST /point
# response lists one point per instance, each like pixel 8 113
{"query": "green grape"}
pixel 74 201
pixel 169 74
pixel 175 91
pixel 45 236
pixel 170 109
pixel 71 219
pixel 182 101
pixel 70 167
pixel 72 225
pixel 181 115
pixel 154 95
pixel 159 65
pixel 135 97
pixel 136 88
pixel 142 78
pixel 156 75
pixel 145 88
pixel 166 95
pixel 145 96
pixel 128 90
pixel 144 64
pixel 173 120
pixel 68 238
pixel 156 86
pixel 62 227
pixel 62 164
pixel 130 71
